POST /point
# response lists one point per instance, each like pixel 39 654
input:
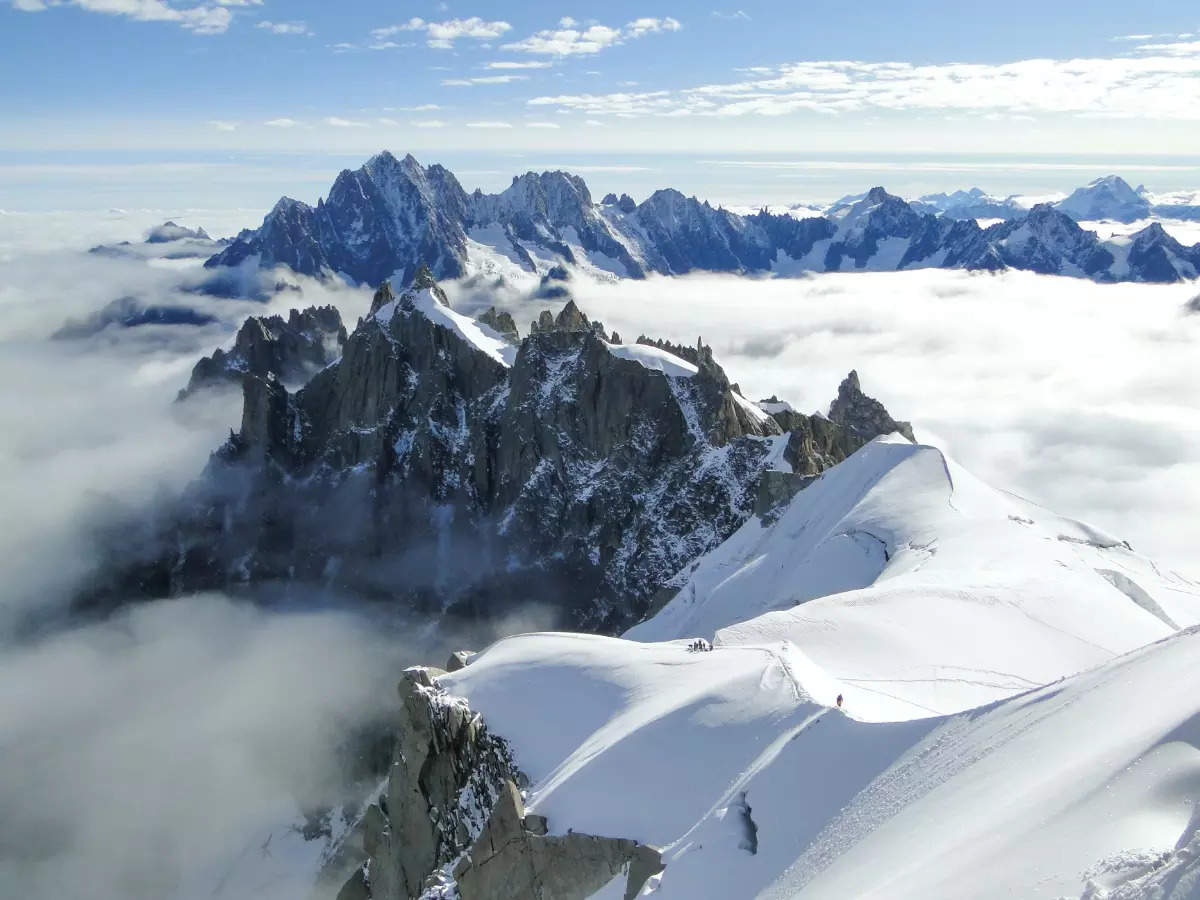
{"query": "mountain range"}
pixel 447 464
pixel 392 215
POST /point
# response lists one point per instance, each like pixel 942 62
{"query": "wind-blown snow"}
pixel 475 333
pixel 653 358
pixel 939 608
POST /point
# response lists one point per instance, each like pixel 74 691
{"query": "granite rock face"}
pixel 452 818
pixel 437 467
pixel 289 350
pixel 861 415
pixel 512 861
pixel 448 771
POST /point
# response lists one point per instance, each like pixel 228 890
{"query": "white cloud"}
pixel 283 123
pixel 1158 81
pixel 288 28
pixel 483 79
pixel 594 123
pixel 511 64
pixel 338 122
pixel 223 126
pixel 428 123
pixel 201 19
pixel 1117 446
pixel 442 35
pixel 488 125
pixel 424 107
pixel 573 41
pixel 542 125
pixel 731 16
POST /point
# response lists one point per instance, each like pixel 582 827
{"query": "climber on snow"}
pixel 839 701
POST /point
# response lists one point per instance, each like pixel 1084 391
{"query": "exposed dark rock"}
pixel 1193 305
pixel 510 861
pixel 447 773
pixel 458 480
pixel 861 415
pixel 270 347
pixel 502 323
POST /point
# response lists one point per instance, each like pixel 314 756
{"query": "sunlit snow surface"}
pixel 473 332
pixel 654 358
pixel 950 772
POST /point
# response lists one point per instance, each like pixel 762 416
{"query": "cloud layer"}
pixel 1156 80
pixel 1081 397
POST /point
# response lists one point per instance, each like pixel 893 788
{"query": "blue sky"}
pixel 931 77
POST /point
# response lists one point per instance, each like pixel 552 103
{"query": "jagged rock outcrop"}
pixel 447 773
pixel 513 861
pixel 1160 258
pixel 270 347
pixel 437 466
pixel 452 817
pixel 861 415
pixel 391 215
pixel 387 218
pixel 502 322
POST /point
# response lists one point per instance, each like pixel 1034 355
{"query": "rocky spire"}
pixel 501 322
pixel 383 296
pixel 423 280
pixel 863 415
pixel 571 318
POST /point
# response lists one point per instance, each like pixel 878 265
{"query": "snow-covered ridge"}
pixel 654 358
pixel 1016 689
pixel 474 332
pixel 388 217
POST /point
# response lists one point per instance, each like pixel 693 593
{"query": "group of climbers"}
pixel 699 646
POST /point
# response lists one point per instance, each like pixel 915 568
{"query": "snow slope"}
pixel 939 607
pixel 470 330
pixel 654 358
pixel 960 594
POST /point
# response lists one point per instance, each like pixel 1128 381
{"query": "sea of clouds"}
pixel 140 755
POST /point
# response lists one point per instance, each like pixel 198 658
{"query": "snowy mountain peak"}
pixel 385 218
pixel 1109 197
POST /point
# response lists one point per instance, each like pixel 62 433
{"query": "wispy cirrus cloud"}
pixel 205 18
pixel 519 64
pixel 572 39
pixel 223 126
pixel 442 35
pixel 300 29
pixel 489 125
pixel 483 79
pixel 283 122
pixel 1156 81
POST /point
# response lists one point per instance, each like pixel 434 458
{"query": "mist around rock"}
pixel 136 739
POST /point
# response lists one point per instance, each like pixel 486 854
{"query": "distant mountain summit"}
pixel 391 216
pixel 1110 198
